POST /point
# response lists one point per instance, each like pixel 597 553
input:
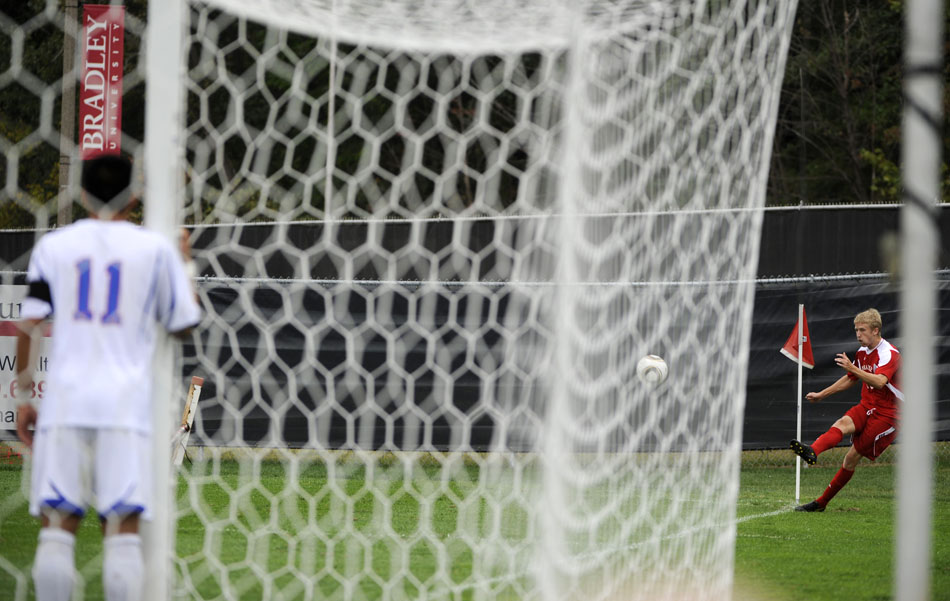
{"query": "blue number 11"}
pixel 112 309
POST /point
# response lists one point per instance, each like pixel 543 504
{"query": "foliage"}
pixel 29 124
pixel 838 136
pixel 886 184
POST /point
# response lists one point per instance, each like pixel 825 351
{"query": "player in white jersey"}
pixel 108 286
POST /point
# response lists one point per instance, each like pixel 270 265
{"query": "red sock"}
pixel 837 483
pixel 827 440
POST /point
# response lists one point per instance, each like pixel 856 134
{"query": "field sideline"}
pixel 781 555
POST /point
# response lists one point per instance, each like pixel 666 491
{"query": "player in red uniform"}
pixel 873 421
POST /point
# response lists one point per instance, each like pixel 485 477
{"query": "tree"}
pixel 24 111
pixel 838 137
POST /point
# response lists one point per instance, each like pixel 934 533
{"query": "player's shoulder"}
pixel 67 236
pixel 886 352
pixel 887 347
pixel 84 228
pixel 89 235
pixel 76 228
pixel 137 231
pixel 137 238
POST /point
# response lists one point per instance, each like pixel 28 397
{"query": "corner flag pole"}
pixel 798 348
pixel 798 421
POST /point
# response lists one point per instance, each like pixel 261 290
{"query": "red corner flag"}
pixel 790 349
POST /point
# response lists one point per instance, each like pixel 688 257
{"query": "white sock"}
pixel 54 570
pixel 123 567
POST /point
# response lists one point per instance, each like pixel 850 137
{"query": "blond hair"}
pixel 870 318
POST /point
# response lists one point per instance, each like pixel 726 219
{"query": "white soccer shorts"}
pixel 76 468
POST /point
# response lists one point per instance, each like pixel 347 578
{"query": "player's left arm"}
pixel 875 380
pixel 179 308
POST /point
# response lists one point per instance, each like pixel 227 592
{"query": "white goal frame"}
pixel 430 255
pixel 163 188
pixel 922 147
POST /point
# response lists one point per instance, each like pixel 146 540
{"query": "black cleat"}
pixel 813 506
pixel 804 451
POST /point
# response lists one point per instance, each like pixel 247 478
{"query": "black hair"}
pixel 106 180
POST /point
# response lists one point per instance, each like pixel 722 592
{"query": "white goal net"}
pixel 434 239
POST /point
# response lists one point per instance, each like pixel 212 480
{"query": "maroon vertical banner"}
pixel 100 91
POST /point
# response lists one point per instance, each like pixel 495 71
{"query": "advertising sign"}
pixel 10 299
pixel 100 96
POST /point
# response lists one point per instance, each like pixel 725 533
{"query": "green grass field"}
pixel 246 532
pixel 845 552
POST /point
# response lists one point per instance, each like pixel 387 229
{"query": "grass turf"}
pixel 844 553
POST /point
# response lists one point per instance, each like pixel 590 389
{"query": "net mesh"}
pixel 434 239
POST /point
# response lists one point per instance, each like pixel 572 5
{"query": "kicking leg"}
pixel 828 440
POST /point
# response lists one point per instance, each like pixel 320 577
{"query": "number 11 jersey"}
pixel 108 286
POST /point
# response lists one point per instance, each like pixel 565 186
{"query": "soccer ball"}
pixel 652 369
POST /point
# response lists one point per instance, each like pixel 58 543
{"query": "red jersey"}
pixel 883 359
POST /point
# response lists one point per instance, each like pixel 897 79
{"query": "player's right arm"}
pixel 36 307
pixel 843 383
pixel 26 412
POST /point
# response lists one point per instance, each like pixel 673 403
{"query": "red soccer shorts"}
pixel 872 432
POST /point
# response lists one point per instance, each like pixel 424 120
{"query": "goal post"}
pixel 922 149
pixel 436 239
pixel 162 155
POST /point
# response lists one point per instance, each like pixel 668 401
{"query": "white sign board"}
pixel 10 299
